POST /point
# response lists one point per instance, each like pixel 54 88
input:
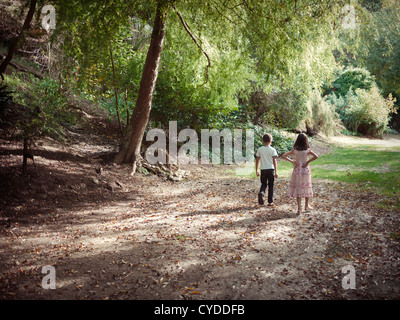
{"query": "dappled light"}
pixel 199 150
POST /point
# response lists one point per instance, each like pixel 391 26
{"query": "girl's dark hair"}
pixel 301 142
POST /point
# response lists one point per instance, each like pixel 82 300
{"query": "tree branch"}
pixel 22 68
pixel 187 28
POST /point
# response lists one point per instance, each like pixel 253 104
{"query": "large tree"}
pixel 130 151
pixel 271 33
pixel 14 44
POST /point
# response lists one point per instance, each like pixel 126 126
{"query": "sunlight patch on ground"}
pixel 389 141
pixel 352 167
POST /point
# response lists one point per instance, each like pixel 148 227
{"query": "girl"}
pixel 300 181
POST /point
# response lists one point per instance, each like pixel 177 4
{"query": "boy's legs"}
pixel 263 179
pixel 267 179
pixel 271 180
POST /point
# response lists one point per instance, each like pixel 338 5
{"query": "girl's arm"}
pixel 314 157
pixel 286 155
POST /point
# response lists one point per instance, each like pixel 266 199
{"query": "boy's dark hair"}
pixel 267 138
pixel 301 142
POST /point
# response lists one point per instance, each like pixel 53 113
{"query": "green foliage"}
pixel 5 96
pixel 380 46
pixel 125 107
pixel 347 132
pixel 189 92
pixel 52 101
pixel 375 45
pixel 372 5
pixel 284 109
pixel 106 45
pixel 284 31
pixel 351 78
pixel 44 107
pixel 368 112
pixel 322 116
pixel 252 44
pixel 364 111
pixel 359 102
pixel 339 102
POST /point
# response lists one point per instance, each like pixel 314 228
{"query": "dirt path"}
pixel 110 236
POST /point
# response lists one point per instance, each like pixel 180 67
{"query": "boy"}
pixel 267 156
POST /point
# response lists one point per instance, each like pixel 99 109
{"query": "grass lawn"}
pixel 365 167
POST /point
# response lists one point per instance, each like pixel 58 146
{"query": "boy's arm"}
pixel 275 167
pixel 257 161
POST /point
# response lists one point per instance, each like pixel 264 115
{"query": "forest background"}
pixel 329 68
pixel 83 82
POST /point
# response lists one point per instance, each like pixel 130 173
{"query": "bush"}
pixel 351 79
pixel 322 116
pixel 364 111
pixel 5 96
pixel 340 103
pixel 125 106
pixel 284 109
pixel 368 112
pixel 44 107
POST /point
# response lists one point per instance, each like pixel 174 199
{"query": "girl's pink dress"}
pixel 300 181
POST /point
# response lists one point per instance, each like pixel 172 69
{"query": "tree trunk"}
pixel 24 156
pixel 14 44
pixel 130 150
